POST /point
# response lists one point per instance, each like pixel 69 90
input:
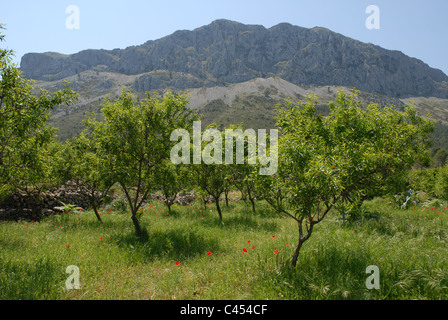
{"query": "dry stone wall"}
pixel 69 193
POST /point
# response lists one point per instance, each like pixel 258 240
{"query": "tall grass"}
pixel 190 254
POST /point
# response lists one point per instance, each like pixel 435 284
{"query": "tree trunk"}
pixel 168 204
pixel 296 253
pixel 227 198
pixel 95 209
pixel 95 204
pixel 253 204
pixel 138 228
pixel 218 208
pixel 302 240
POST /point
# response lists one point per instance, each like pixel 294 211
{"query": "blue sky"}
pixel 418 28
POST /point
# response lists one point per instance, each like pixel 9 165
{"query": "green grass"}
pixel 409 247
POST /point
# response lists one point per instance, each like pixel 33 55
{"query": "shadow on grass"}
pixel 12 244
pixel 326 273
pixel 29 281
pixel 242 222
pixel 173 244
pixel 371 221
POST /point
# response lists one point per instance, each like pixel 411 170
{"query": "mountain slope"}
pixel 225 52
pixel 252 102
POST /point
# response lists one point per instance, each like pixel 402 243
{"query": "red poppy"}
pixel 209 253
pixel 101 239
pixel 248 241
pixel 244 250
pixel 275 251
pixel 273 237
pixel 68 246
pixel 253 247
pixel 288 244
pixel 177 263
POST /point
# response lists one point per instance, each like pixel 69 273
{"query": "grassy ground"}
pixel 191 255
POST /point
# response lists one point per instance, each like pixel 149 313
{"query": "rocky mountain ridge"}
pixel 227 52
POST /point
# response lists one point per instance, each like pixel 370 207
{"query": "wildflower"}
pixel 177 263
pixel 101 239
pixel 209 253
pixel 244 250
pixel 275 251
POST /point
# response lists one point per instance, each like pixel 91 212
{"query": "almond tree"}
pixel 340 160
pixel 90 169
pixel 210 178
pixel 25 156
pixel 241 175
pixel 210 175
pixel 170 181
pixel 134 139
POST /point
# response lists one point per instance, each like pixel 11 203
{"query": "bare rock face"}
pixel 226 52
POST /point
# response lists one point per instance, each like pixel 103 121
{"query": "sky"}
pixel 418 28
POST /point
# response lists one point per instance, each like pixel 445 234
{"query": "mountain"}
pixel 227 52
pixel 238 73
